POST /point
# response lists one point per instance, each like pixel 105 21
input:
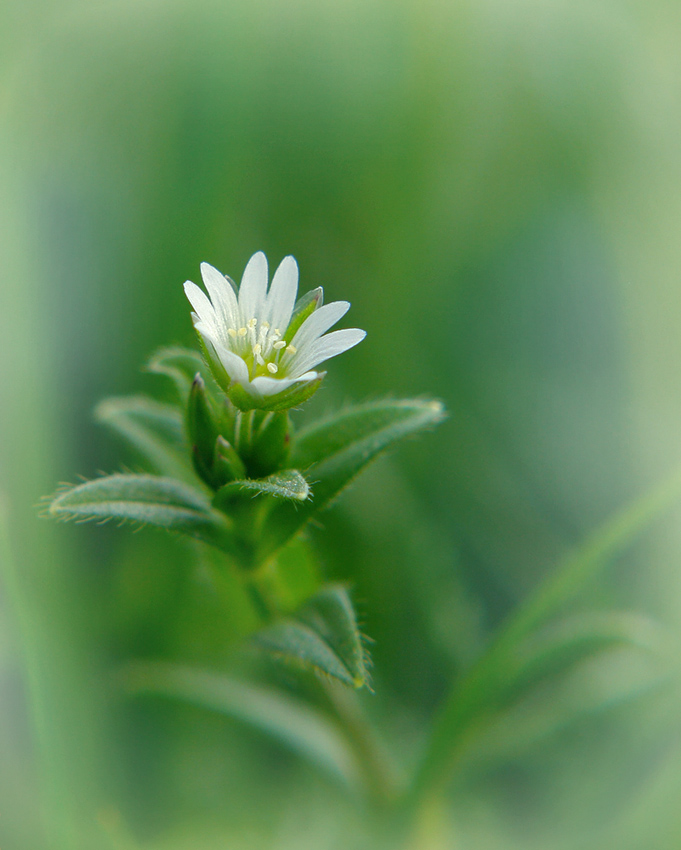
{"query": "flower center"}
pixel 261 347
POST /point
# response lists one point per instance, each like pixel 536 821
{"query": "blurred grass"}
pixel 495 188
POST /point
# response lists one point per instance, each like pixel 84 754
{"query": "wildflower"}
pixel 262 345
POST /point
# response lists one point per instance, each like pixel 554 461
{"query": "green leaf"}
pixel 479 689
pixel 155 430
pixel 297 726
pixel 323 636
pixel 364 428
pixel 335 450
pixel 145 499
pixel 550 651
pixel 287 484
pixel 601 681
pixel 180 365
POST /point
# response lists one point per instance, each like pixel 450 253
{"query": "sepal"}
pixel 294 396
pixel 305 306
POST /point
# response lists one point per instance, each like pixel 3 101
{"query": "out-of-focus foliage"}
pixel 495 186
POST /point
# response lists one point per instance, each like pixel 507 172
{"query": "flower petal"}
pixel 269 386
pixel 234 365
pixel 328 346
pixel 282 295
pixel 318 323
pixel 223 297
pixel 199 301
pixel 253 289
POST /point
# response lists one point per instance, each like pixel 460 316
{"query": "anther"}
pixel 280 344
pixel 257 348
pixel 232 333
pixel 242 331
pixel 272 367
pixel 291 349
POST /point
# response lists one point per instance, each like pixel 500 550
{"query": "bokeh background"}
pixel 496 187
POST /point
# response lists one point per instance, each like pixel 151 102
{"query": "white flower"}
pixel 256 335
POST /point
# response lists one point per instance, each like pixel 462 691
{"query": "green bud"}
pixel 270 446
pixel 227 465
pixel 202 429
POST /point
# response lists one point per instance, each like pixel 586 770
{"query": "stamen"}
pixel 265 325
pixel 280 344
pixel 257 348
pixel 272 367
pixel 251 323
pixel 232 333
pixel 291 349
pixel 242 331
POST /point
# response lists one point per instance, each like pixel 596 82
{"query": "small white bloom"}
pixel 256 335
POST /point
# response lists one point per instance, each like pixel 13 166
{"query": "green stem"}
pixel 50 681
pixel 246 432
pixel 381 774
pixel 238 416
pixel 262 605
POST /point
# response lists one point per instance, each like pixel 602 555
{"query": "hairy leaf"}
pixel 287 484
pixel 146 499
pixel 335 450
pixel 322 635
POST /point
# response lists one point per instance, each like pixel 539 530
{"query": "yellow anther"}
pixel 232 333
pixel 291 349
pixel 272 367
pixel 257 348
pixel 280 344
pixel 265 325
pixel 252 323
pixel 242 331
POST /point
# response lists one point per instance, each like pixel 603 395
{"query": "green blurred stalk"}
pixel 64 709
pixel 471 700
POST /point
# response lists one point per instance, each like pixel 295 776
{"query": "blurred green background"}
pixel 496 187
